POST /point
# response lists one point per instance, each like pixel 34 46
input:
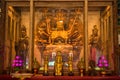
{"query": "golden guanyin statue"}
pixel 46 65
pixel 58 64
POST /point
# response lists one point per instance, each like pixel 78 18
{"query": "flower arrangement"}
pixel 17 63
pixel 102 63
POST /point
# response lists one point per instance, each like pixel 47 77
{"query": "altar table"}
pixel 8 77
pixel 74 78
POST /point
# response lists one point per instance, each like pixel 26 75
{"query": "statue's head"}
pixel 95 26
pixel 95 30
pixel 59 53
pixel 23 31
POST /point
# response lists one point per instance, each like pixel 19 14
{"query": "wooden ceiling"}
pixel 92 4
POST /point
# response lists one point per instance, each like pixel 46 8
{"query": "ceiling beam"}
pixel 62 0
pixel 71 3
pixel 99 3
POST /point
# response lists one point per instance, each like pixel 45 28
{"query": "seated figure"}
pixel 58 64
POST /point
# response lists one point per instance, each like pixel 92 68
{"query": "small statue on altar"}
pixel 95 45
pixel 23 46
pixel 58 64
pixel 36 66
pixel 81 66
pixel 70 65
pixel 46 65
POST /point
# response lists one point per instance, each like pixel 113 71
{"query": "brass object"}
pixel 103 73
pixel 81 72
pixel 70 65
pixel 81 63
pixel 58 64
pixel 81 66
pixel 46 65
pixel 36 66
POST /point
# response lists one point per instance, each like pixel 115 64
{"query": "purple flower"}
pixel 17 64
pixel 13 65
pixel 20 61
pixel 17 57
pixel 100 65
pixel 102 57
pixel 106 65
pixel 20 64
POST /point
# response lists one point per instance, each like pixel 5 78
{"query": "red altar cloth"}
pixel 7 77
pixel 74 78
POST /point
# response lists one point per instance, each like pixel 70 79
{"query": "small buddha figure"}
pixel 60 25
pixel 60 20
pixel 58 64
pixel 70 65
pixel 46 65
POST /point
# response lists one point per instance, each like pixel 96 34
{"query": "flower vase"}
pixel 103 73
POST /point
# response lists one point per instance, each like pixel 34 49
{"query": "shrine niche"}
pixel 60 29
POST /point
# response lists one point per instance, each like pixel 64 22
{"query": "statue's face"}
pixel 71 20
pixel 23 33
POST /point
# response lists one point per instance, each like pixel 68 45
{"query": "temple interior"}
pixel 60 37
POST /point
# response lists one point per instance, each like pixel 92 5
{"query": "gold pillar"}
pixel 31 32
pixel 86 33
pixel 112 51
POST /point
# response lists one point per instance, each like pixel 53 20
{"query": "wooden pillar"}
pixel 111 29
pixel 86 33
pixel 2 34
pixel 115 38
pixel 31 32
